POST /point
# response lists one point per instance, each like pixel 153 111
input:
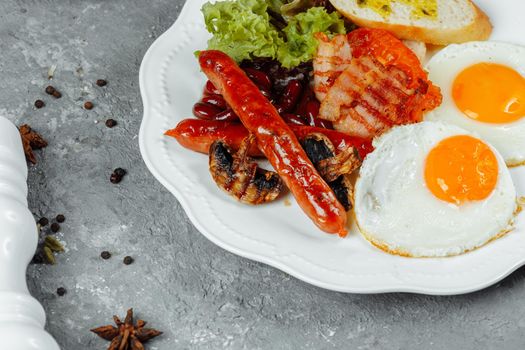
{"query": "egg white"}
pixel 443 68
pixel 397 212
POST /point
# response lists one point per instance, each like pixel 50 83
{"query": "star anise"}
pixel 127 335
pixel 31 140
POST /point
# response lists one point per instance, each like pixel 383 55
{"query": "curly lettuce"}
pixel 243 29
pixel 300 41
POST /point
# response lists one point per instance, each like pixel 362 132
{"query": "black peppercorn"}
pixel 57 94
pixel 115 179
pixel 105 255
pixel 61 291
pixel 128 260
pixel 120 172
pixel 117 175
pixel 43 221
pixel 102 82
pixel 111 123
pixel 60 218
pixel 55 227
pixel 50 90
pixel 88 105
pixel 39 104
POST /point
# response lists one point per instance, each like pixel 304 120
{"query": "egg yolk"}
pixel 490 93
pixel 461 168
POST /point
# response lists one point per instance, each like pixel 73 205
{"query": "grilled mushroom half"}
pixel 240 176
pixel 334 168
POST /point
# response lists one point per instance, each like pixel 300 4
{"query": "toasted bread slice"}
pixel 457 21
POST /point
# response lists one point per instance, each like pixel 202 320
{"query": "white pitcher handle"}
pixel 22 318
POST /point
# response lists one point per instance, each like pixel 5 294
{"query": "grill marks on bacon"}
pixel 368 81
pixel 332 58
pixel 368 98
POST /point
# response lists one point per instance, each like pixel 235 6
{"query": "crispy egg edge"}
pixel 385 247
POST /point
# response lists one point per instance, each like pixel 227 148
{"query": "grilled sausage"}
pixel 276 140
pixel 198 135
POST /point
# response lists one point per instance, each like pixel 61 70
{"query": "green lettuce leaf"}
pixel 243 30
pixel 300 41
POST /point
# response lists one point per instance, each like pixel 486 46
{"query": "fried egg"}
pixel 431 190
pixel 483 87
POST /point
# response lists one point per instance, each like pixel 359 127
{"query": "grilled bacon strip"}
pixel 368 81
pixel 332 58
pixel 374 97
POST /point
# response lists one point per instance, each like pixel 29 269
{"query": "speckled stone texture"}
pixel 201 296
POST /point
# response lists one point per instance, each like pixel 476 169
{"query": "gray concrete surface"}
pixel 201 296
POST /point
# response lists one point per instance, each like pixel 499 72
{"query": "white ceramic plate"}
pixel 280 235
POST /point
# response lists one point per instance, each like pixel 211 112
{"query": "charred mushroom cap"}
pixel 240 176
pixel 343 163
pixel 334 168
pixel 318 147
pixel 343 190
pixel 222 157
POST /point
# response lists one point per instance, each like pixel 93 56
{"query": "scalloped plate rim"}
pixel 266 259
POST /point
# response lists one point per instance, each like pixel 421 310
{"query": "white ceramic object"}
pixel 281 235
pixel 22 318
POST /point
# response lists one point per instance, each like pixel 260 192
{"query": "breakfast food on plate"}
pixel 276 140
pixel 483 87
pixel 283 74
pixel 439 22
pixel 433 189
pixel 368 81
pixel 335 155
pixel 198 135
pixel 335 168
pixel 245 29
pixel 239 175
